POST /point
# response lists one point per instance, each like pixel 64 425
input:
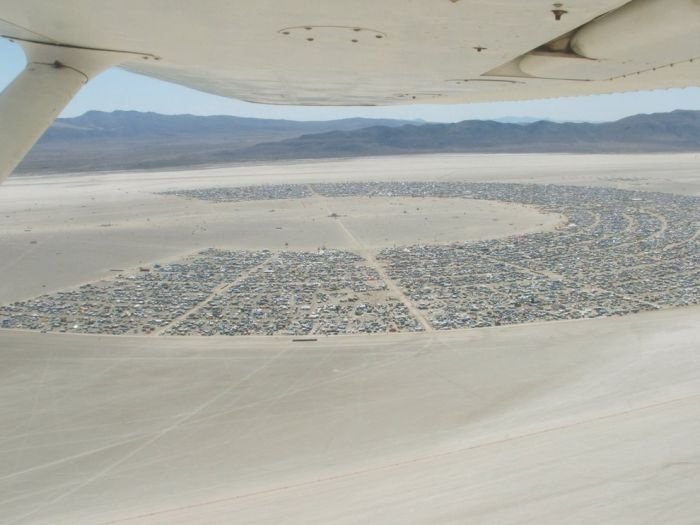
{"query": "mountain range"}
pixel 129 140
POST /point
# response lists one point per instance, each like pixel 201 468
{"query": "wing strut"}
pixel 53 75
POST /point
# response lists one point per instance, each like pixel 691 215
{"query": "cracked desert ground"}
pixel 583 421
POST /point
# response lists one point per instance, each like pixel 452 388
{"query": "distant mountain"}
pixel 530 120
pixel 134 125
pixel 519 120
pixel 662 132
pixel 126 140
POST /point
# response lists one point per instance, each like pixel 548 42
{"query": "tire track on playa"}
pixel 195 416
pixel 15 261
pixel 152 439
pixel 291 391
pixel 368 255
pixel 409 461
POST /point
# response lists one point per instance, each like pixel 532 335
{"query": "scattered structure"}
pixel 620 252
pixel 300 293
pixel 262 192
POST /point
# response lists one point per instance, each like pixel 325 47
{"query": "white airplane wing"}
pixel 366 52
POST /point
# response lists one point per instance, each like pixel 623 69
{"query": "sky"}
pixel 118 90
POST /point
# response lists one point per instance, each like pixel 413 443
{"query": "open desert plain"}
pixel 491 339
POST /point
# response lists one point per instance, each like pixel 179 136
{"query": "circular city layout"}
pixel 616 252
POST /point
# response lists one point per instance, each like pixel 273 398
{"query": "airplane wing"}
pixel 306 52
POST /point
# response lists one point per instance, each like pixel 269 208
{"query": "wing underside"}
pixel 390 52
pixel 304 52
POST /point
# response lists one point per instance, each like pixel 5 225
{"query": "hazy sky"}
pixel 116 89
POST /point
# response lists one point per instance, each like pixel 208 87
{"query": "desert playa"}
pixel 588 420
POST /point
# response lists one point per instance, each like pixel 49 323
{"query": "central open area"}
pixel 371 223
